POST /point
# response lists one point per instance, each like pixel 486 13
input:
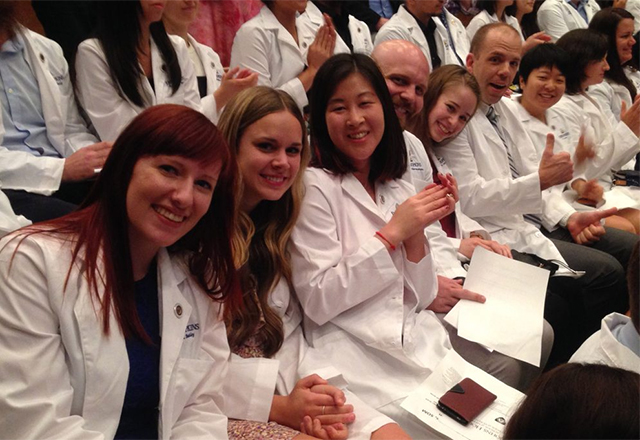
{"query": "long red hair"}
pixel 100 227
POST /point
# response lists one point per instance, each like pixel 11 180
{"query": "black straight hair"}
pixel 389 160
pixel 544 55
pixel 119 33
pixel 487 5
pixel 606 22
pixel 584 46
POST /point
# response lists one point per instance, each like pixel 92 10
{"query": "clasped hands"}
pixel 315 408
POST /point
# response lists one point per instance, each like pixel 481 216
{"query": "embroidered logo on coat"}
pixel 190 330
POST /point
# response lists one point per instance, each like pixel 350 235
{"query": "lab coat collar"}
pixel 613 349
pixel 48 86
pixel 354 189
pixel 271 23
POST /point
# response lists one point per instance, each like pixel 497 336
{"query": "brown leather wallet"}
pixel 465 401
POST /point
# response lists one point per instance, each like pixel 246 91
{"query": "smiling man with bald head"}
pixel 406 70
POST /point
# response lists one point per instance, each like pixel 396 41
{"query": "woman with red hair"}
pixel 109 316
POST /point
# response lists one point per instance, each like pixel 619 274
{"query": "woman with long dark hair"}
pixel 621 81
pixel 614 144
pixel 130 65
pixel 360 260
pixel 109 316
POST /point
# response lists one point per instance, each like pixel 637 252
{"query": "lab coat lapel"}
pixel 284 37
pixel 105 358
pixel 174 316
pixel 210 70
pixel 51 105
pixel 160 77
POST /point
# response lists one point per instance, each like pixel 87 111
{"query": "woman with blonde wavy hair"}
pixel 265 128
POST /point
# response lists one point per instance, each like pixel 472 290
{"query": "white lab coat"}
pixel 62 378
pixel 488 194
pixel 555 206
pixel 214 72
pixel 615 144
pixel 251 382
pixel 483 18
pixel 9 221
pixel 263 45
pixel 98 93
pixel 360 34
pixel 603 348
pixel 364 306
pixel 444 249
pixel 557 17
pixel 633 6
pixel 66 129
pixel 610 96
pixel 402 26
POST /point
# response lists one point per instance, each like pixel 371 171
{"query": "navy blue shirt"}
pixel 140 413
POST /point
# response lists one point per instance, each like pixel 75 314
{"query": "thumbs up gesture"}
pixel 555 168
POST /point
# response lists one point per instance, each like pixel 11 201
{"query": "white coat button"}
pixel 42 58
pixel 382 199
pixel 10 90
pixel 304 44
pixel 177 309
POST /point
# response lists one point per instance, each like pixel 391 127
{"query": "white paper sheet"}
pixel 510 321
pixel 489 424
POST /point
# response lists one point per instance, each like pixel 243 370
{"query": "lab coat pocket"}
pixel 187 376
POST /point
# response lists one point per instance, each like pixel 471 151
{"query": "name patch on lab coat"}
pixel 191 329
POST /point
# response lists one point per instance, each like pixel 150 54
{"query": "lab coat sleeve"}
pixel 298 359
pixel 249 388
pixel 328 282
pixel 99 95
pixel 552 22
pixel 250 50
pixel 554 207
pixel 480 197
pixel 444 252
pixel 203 415
pixel 76 132
pixel 9 221
pixel 36 395
pixel 24 171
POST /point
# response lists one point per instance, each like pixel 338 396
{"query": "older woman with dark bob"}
pixel 109 316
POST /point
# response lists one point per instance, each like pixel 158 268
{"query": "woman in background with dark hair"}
pixel 579 401
pixel 621 81
pixel 130 65
pixel 578 114
pixel 361 264
pixel 525 12
pixel 109 316
pixel 495 11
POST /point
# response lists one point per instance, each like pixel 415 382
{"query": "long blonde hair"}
pixel 261 237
